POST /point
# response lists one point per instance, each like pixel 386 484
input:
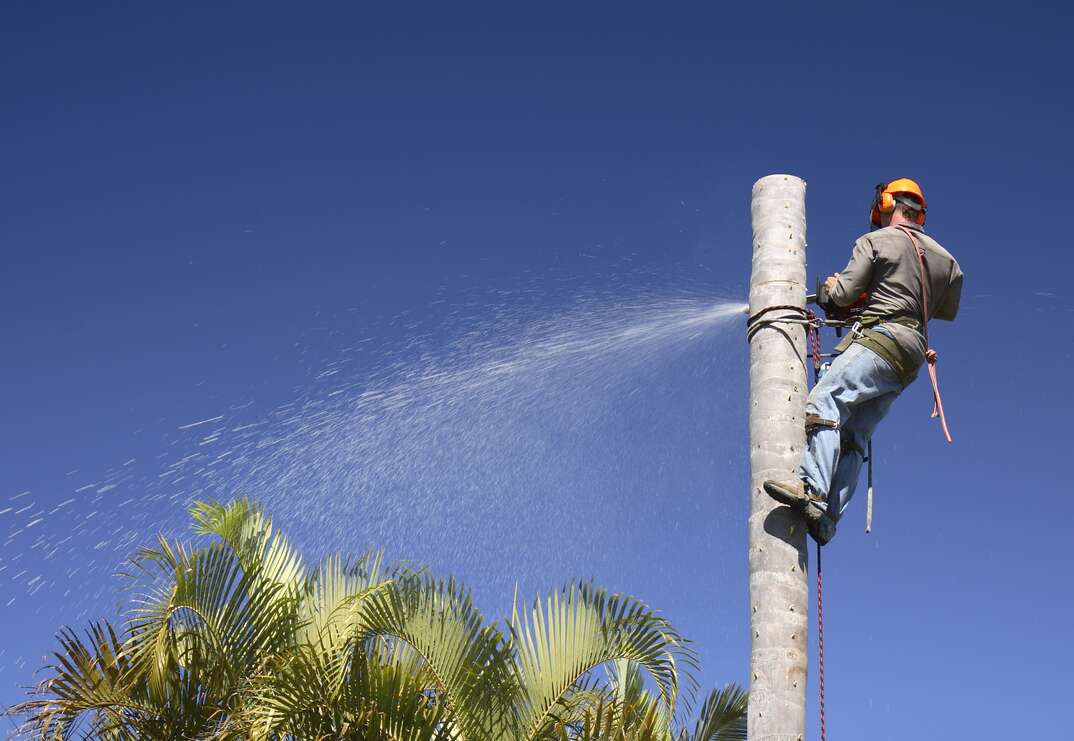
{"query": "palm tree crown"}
pixel 238 638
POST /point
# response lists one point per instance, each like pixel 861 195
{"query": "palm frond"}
pixel 330 606
pixel 299 698
pixel 468 661
pixel 569 634
pixel 94 692
pixel 723 716
pixel 213 614
pixel 257 545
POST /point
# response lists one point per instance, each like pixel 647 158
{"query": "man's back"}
pixel 885 265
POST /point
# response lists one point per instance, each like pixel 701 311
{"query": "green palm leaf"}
pixel 467 661
pixel 723 716
pixel 571 633
pixel 94 693
pixel 378 699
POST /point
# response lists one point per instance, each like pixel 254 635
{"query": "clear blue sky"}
pixel 203 207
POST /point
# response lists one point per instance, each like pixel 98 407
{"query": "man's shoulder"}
pixel 884 239
pixel 933 245
pixel 892 237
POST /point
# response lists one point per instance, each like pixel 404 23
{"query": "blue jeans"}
pixel 857 391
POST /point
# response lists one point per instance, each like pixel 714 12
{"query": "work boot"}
pixel 800 497
pixel 796 495
pixel 821 527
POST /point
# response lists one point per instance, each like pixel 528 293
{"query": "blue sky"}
pixel 206 207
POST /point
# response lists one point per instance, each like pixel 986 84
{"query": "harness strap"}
pixel 890 350
pixel 814 423
pixel 906 321
pixel 930 355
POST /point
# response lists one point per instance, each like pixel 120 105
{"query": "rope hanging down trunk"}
pixel 820 646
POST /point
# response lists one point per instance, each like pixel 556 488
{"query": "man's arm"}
pixel 948 308
pixel 849 284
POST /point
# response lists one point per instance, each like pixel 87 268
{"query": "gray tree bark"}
pixel 777 542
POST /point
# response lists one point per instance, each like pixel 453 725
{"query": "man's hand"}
pixel 831 281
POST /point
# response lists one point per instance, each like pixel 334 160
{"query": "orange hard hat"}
pixel 901 189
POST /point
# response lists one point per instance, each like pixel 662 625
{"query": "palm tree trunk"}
pixel 777 544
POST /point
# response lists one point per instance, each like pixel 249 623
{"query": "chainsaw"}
pixel 842 315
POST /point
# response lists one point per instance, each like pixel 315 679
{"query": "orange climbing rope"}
pixel 930 355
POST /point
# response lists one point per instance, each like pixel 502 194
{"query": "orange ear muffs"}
pixel 883 203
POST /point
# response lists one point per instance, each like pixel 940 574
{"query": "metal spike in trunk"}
pixel 777 543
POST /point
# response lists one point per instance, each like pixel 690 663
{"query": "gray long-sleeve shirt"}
pixel 885 265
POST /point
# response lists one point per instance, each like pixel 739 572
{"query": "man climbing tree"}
pixel 897 279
